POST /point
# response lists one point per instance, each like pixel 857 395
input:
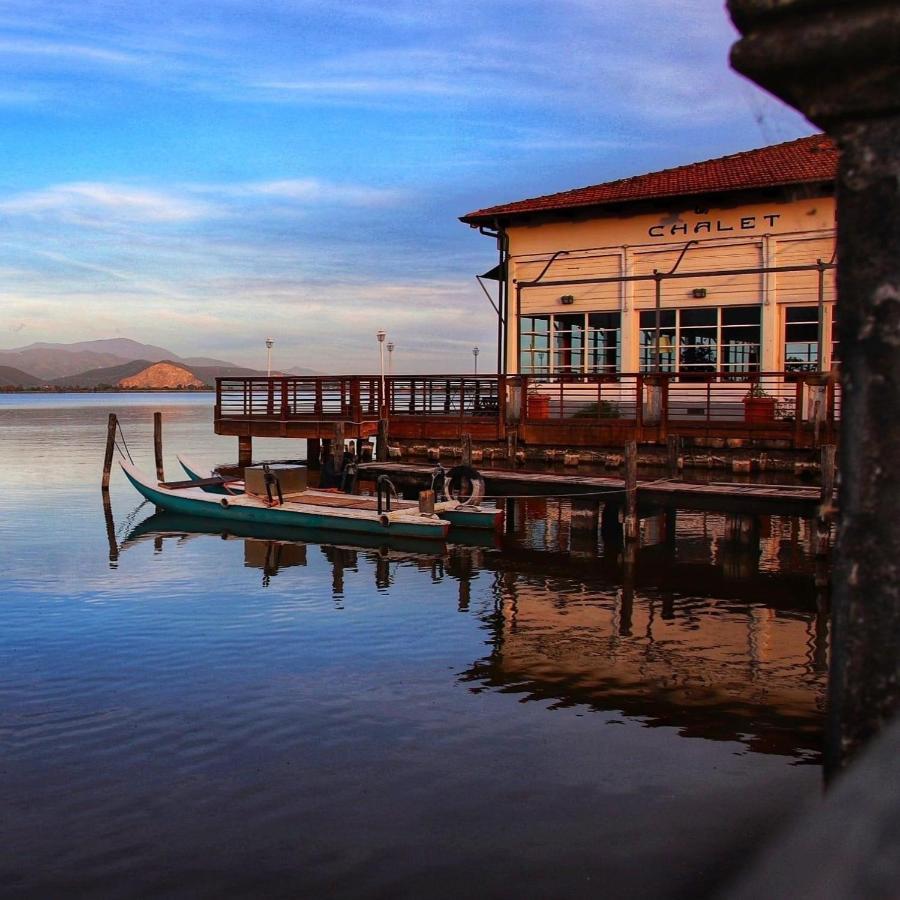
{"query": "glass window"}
pixel 740 338
pixel 604 342
pixel 801 339
pixel 702 340
pixel 568 344
pixel 835 344
pixel 534 356
pixel 698 340
pixel 667 340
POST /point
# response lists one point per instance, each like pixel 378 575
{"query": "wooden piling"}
pixel 110 528
pixel 157 445
pixel 111 426
pixel 337 446
pixel 631 514
pixel 313 449
pixel 826 499
pixel 381 449
pixel 673 447
pixel 467 449
pixel 245 450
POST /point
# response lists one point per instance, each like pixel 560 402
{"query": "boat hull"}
pixel 194 501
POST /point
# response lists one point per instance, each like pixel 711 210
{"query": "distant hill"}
pixel 165 375
pixel 107 376
pixel 113 376
pixel 124 348
pixel 10 377
pixel 47 364
pixel 299 370
pixel 88 364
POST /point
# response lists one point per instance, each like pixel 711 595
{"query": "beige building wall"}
pixel 755 235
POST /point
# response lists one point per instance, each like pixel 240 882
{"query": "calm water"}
pixel 196 714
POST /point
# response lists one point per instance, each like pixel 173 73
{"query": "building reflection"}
pixel 717 626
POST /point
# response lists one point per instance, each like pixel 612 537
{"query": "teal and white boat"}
pixel 459 515
pixel 311 509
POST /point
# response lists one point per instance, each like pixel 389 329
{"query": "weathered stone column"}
pixel 838 62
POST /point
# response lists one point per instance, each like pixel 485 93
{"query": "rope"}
pixel 124 442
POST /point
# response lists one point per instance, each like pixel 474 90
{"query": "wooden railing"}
pixel 779 404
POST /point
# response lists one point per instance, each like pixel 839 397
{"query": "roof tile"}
pixel 808 159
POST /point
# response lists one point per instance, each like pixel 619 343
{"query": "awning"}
pixel 498 273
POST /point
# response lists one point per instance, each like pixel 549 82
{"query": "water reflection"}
pixel 715 626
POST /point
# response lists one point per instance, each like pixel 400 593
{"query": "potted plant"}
pixel 758 405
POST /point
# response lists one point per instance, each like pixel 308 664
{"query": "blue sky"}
pixel 201 174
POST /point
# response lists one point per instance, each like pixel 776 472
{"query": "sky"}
pixel 202 175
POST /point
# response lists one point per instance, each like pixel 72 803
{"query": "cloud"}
pixel 93 202
pixel 313 191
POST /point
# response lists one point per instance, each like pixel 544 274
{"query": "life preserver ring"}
pixel 465 485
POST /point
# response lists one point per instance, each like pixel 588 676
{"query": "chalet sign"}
pixel 674 227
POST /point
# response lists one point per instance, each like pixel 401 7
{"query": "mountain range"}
pixel 105 362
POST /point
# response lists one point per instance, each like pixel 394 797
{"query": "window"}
pixel 604 342
pixel 534 357
pixel 667 340
pixel 801 339
pixel 570 344
pixel 702 340
pixel 835 342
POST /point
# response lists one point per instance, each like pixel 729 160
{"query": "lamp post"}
pixel 381 334
pixel 269 343
pixel 475 352
pixel 390 350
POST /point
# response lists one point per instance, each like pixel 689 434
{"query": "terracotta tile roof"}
pixel 808 159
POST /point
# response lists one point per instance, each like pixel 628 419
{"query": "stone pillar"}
pixel 839 64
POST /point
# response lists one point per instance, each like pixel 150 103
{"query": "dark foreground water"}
pixel 196 714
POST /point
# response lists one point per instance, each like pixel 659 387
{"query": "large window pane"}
pixel 801 339
pixel 604 342
pixel 534 350
pixel 698 335
pixel 568 344
pixel 741 338
pixel 666 340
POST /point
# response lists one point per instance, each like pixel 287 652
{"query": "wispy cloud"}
pixel 90 202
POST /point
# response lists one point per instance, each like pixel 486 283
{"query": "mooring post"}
pixel 111 426
pixel 509 515
pixel 631 513
pixel 110 530
pixel 673 446
pixel 337 446
pixel 157 445
pixel 826 499
pixel 467 449
pixel 312 453
pixel 245 450
pixel 802 52
pixel 381 448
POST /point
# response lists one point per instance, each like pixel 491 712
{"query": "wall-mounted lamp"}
pixel 698 293
pixel 567 299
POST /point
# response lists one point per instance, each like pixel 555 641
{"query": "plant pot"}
pixel 538 406
pixel 759 409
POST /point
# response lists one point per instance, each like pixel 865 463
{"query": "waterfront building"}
pixel 720 266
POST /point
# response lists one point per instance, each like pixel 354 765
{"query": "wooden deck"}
pixel 774 410
pixel 723 496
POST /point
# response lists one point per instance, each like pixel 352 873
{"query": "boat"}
pixel 459 515
pixel 312 509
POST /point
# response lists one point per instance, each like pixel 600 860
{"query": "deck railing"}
pixel 783 402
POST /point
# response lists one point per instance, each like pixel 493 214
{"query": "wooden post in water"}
pixel 631 513
pixel 245 450
pixel 110 530
pixel 313 449
pixel 337 446
pixel 111 426
pixel 157 445
pixel 826 499
pixel 673 446
pixel 467 449
pixel 381 450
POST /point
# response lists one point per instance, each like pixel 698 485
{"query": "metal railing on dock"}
pixel 801 408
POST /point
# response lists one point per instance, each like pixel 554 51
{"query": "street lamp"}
pixel 381 334
pixel 269 343
pixel 475 352
pixel 390 350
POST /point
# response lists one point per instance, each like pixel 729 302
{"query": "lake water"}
pixel 196 714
